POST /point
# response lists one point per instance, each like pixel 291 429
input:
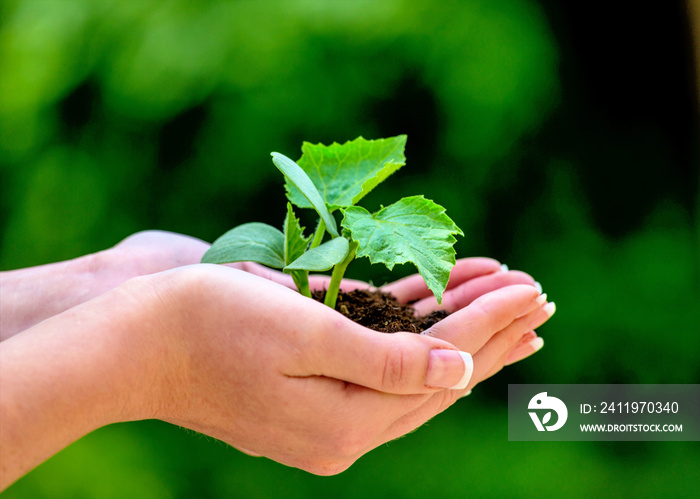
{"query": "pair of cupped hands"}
pixel 235 353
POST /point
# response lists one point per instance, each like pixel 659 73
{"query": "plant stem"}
pixel 301 280
pixel 318 235
pixel 337 276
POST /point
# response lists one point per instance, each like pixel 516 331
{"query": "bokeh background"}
pixel 562 137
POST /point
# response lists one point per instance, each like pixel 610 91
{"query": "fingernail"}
pixel 504 267
pixel 542 299
pixel 550 308
pixel 538 318
pixel 466 394
pixel 449 369
pixel 536 344
pixel 538 287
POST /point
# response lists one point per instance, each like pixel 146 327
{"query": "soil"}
pixel 381 311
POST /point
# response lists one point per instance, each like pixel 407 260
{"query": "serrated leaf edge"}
pixel 389 164
pixel 450 239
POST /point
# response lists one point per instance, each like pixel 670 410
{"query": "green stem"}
pixel 301 279
pixel 318 235
pixel 337 276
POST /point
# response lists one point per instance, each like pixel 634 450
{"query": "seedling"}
pixel 335 178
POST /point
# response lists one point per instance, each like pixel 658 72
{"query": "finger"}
pixel 501 362
pixel 413 287
pixel 512 340
pixel 491 358
pixel 541 300
pixel 399 363
pixel 246 451
pixel 524 350
pixel 530 335
pixel 467 292
pixel 470 328
pixel 438 402
pixel 413 419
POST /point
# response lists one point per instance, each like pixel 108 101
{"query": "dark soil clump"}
pixel 381 311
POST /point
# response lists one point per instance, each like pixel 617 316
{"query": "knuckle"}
pixel 450 299
pixel 393 375
pixel 337 450
pixel 480 316
pixel 446 398
pixel 349 442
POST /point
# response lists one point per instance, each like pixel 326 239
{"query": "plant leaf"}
pixel 251 242
pixel 323 257
pixel 345 173
pixel 415 230
pixel 298 177
pixel 295 243
pixel 546 418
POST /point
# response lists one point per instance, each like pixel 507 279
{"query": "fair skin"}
pixel 212 348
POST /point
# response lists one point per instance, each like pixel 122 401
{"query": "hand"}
pixel 244 360
pixel 152 251
pixel 470 278
pixel 28 296
pixel 276 374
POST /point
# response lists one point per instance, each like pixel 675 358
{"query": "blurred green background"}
pixel 561 138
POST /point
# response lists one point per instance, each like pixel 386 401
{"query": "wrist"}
pixel 149 353
pixel 28 296
pixel 157 341
pixel 87 367
pixel 31 295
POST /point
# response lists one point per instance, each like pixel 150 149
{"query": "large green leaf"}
pixel 413 230
pixel 323 257
pixel 299 179
pixel 345 173
pixel 295 243
pixel 251 242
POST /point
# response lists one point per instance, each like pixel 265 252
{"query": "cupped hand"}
pixel 259 366
pixel 237 356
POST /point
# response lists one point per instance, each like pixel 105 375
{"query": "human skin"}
pixel 212 348
pixel 28 296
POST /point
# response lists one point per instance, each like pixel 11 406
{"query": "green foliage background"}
pixel 119 116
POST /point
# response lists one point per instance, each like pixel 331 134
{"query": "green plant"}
pixel 334 178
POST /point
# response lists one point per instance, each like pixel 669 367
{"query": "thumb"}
pixel 400 363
